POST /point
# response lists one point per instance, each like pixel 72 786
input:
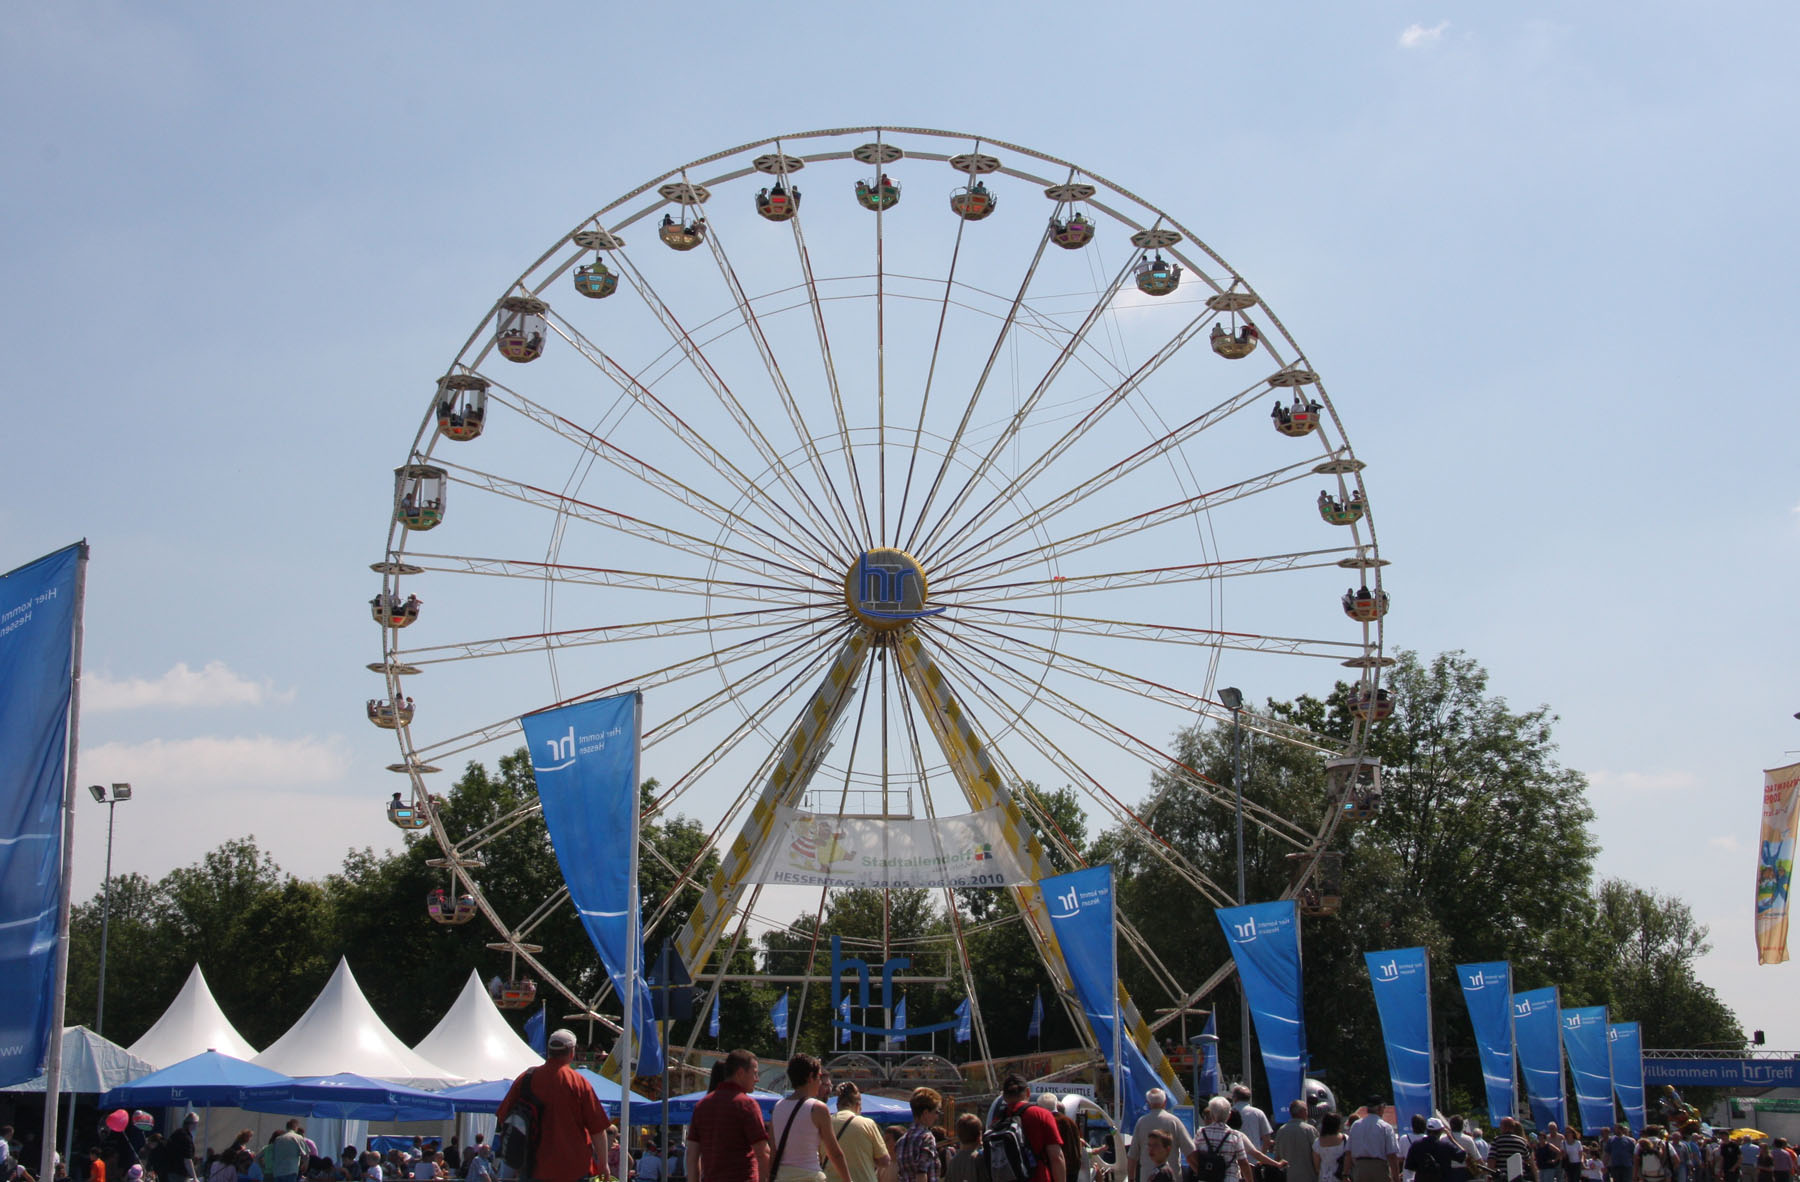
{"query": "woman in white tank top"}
pixel 800 1127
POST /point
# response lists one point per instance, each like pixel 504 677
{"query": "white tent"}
pixel 90 1064
pixel 474 1041
pixel 192 1025
pixel 341 1032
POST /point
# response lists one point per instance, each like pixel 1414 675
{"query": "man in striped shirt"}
pixel 1508 1145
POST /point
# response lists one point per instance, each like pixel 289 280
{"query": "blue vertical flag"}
pixel 535 1035
pixel 1487 989
pixel 1265 943
pixel 1401 979
pixel 1210 1082
pixel 1537 1026
pixel 844 1017
pixel 1590 1064
pixel 1080 906
pixel 1036 1029
pixel 1627 1056
pixel 37 679
pixel 712 1023
pixel 897 1042
pixel 965 1024
pixel 778 1015
pixel 585 759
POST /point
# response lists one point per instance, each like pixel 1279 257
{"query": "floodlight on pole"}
pixel 119 792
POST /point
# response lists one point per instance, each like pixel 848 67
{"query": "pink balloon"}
pixel 117 1119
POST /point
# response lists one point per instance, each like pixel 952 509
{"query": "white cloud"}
pixel 214 685
pixel 1634 782
pixel 1415 36
pixel 245 762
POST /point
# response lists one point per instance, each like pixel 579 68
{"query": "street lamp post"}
pixel 1233 698
pixel 1200 1043
pixel 119 792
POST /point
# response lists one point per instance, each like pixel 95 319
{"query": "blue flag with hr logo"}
pixel 1265 943
pixel 1036 1029
pixel 585 759
pixel 844 1016
pixel 1590 1064
pixel 1487 988
pixel 1536 1023
pixel 778 1015
pixel 1401 979
pixel 964 1024
pixel 536 1037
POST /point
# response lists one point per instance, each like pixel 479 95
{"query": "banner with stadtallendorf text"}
pixel 1401 978
pixel 1537 1024
pixel 1627 1042
pixel 1590 1064
pixel 585 760
pixel 1775 861
pixel 1265 943
pixel 37 646
pixel 1487 988
pixel 819 849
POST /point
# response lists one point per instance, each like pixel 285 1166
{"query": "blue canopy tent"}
pixel 346 1096
pixel 486 1097
pixel 206 1078
pixel 879 1109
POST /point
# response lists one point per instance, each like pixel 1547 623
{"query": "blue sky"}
pixel 1534 250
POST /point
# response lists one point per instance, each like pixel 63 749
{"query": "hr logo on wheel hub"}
pixel 886 588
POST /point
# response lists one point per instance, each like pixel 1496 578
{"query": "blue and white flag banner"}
pixel 536 1037
pixel 37 649
pixel 897 1040
pixel 712 1023
pixel 1265 943
pixel 844 1021
pixel 1537 1025
pixel 1080 906
pixel 778 1016
pixel 1487 989
pixel 1211 1084
pixel 1590 1063
pixel 1401 979
pixel 1036 1029
pixel 965 1026
pixel 585 758
pixel 1627 1042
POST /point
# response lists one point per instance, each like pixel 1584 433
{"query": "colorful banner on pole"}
pixel 1537 1026
pixel 585 758
pixel 1487 989
pixel 1627 1043
pixel 1590 1063
pixel 1401 979
pixel 1080 905
pixel 814 849
pixel 1265 943
pixel 1775 861
pixel 37 645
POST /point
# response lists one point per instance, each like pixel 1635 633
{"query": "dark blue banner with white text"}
pixel 1627 1043
pixel 1487 988
pixel 1721 1073
pixel 1265 943
pixel 585 758
pixel 37 638
pixel 1590 1064
pixel 1080 905
pixel 1401 979
pixel 1537 1025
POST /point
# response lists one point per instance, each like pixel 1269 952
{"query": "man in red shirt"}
pixel 1041 1133
pixel 572 1144
pixel 727 1141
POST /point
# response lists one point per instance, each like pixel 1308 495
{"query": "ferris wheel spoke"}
pixel 653 477
pixel 1068 349
pixel 1331 650
pixel 538 642
pixel 739 689
pixel 776 378
pixel 1058 586
pixel 1148 753
pixel 1168 442
pixel 1057 661
pixel 1135 524
pixel 600 576
pixel 784 573
pixel 666 675
pixel 1096 790
pixel 752 433
pixel 1159 972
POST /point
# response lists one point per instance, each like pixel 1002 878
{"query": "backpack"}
pixel 1654 1159
pixel 1005 1151
pixel 1209 1158
pixel 518 1134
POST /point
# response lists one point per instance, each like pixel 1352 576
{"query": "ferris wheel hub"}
pixel 885 589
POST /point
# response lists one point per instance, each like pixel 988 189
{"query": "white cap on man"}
pixel 562 1040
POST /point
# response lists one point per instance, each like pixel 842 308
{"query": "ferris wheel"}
pixel 902 471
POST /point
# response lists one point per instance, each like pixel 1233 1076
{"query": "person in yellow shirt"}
pixel 865 1149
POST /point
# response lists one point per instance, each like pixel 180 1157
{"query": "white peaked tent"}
pixel 192 1025
pixel 90 1064
pixel 341 1032
pixel 474 1041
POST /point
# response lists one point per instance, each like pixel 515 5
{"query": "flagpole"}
pixel 633 952
pixel 1118 1018
pixel 60 981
